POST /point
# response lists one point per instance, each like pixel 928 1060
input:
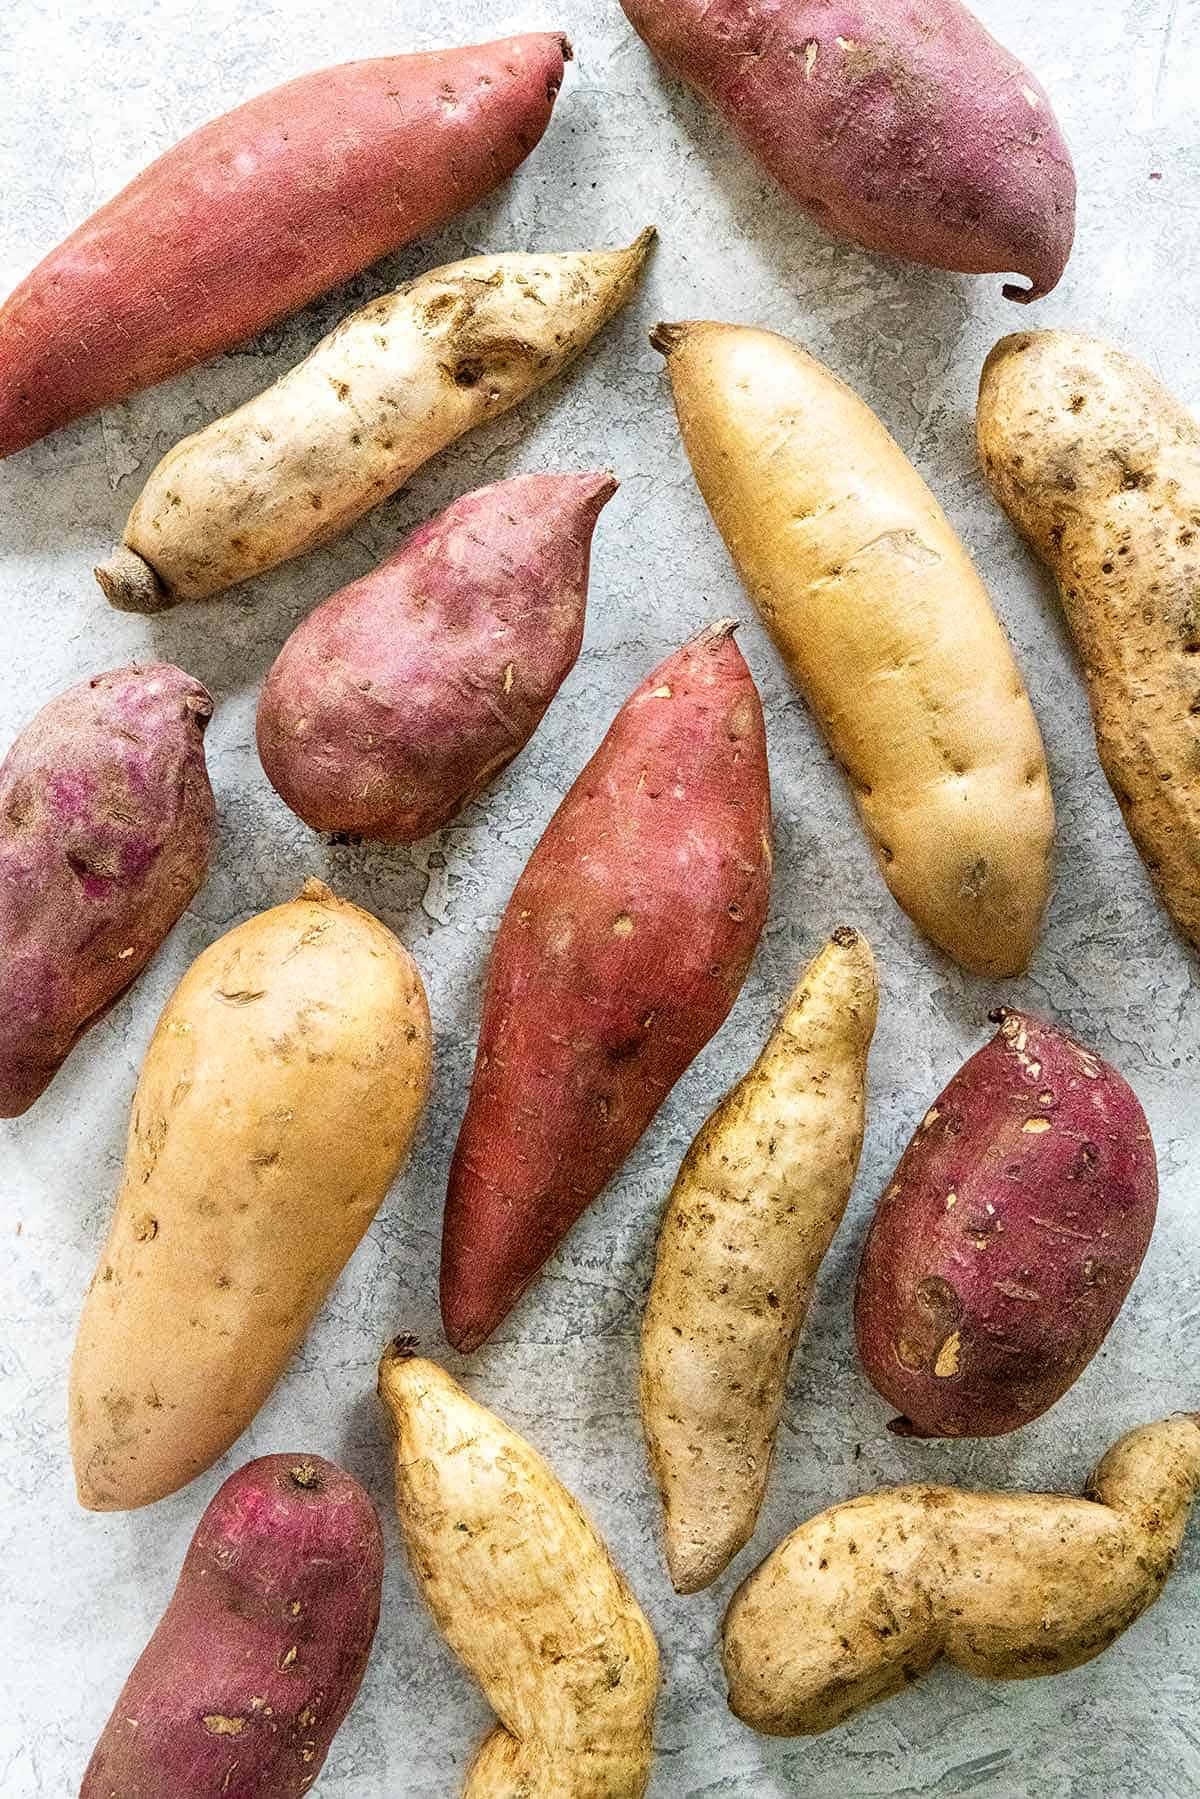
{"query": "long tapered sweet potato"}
pixel 1008 1237
pixel 392 385
pixel 257 1659
pixel 526 1594
pixel 106 824
pixel 621 951
pixel 396 702
pixel 258 212
pixel 901 124
pixel 752 1212
pixel 866 1597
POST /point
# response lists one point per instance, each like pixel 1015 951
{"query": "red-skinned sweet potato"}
pixel 901 124
pixel 621 951
pixel 260 211
pixel 258 1656
pixel 106 824
pixel 1008 1238
pixel 396 702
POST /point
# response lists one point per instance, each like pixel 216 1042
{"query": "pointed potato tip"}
pixel 642 242
pixel 316 890
pixel 130 584
pixel 667 338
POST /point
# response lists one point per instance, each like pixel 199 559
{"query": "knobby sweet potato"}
pixel 258 212
pixel 621 951
pixel 1008 1236
pixel 397 701
pixel 106 824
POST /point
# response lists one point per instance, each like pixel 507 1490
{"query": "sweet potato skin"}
pixel 751 1214
pixel 867 1596
pixel 1008 1237
pixel 261 1650
pixel 885 627
pixel 526 1594
pixel 621 951
pixel 393 384
pixel 396 702
pixel 260 211
pixel 277 1100
pixel 901 124
pixel 1099 466
pixel 106 826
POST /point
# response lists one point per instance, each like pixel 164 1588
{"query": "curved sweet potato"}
pixel 1008 1237
pixel 396 702
pixel 258 1657
pixel 260 211
pixel 106 824
pixel 621 951
pixel 901 124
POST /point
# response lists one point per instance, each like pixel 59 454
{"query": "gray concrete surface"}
pixel 89 92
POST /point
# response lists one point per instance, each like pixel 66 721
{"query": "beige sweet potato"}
pixel 866 1597
pixel 525 1592
pixel 886 629
pixel 277 1100
pixel 395 383
pixel 752 1212
pixel 1099 466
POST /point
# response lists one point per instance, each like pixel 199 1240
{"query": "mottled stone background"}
pixel 87 94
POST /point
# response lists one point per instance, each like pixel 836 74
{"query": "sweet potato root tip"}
pixel 131 585
pixel 667 338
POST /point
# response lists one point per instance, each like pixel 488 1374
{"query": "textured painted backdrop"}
pixel 89 93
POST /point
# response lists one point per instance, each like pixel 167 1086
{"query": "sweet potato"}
pixel 866 1597
pixel 257 1659
pixel 901 124
pixel 277 1100
pixel 525 1593
pixel 621 951
pixel 397 701
pixel 886 629
pixel 1099 466
pixel 255 214
pixel 753 1210
pixel 106 824
pixel 393 384
pixel 1008 1237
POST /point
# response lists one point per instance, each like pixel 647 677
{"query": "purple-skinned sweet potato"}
pixel 620 953
pixel 901 124
pixel 106 825
pixel 395 703
pixel 1008 1238
pixel 257 1659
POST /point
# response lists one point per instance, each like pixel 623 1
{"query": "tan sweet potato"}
pixel 886 629
pixel 1099 466
pixel 395 383
pixel 525 1593
pixel 866 1597
pixel 1008 1237
pixel 752 1212
pixel 396 702
pixel 621 951
pixel 276 1102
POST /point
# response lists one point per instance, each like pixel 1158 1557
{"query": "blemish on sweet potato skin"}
pixel 975 1317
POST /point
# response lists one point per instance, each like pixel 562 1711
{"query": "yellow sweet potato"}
pixel 525 1593
pixel 277 1100
pixel 753 1210
pixel 885 627
pixel 1099 467
pixel 866 1597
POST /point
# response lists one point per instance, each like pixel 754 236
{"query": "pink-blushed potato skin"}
pixel 1008 1238
pixel 622 949
pixel 396 702
pixel 901 124
pixel 261 210
pixel 257 1659
pixel 106 826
